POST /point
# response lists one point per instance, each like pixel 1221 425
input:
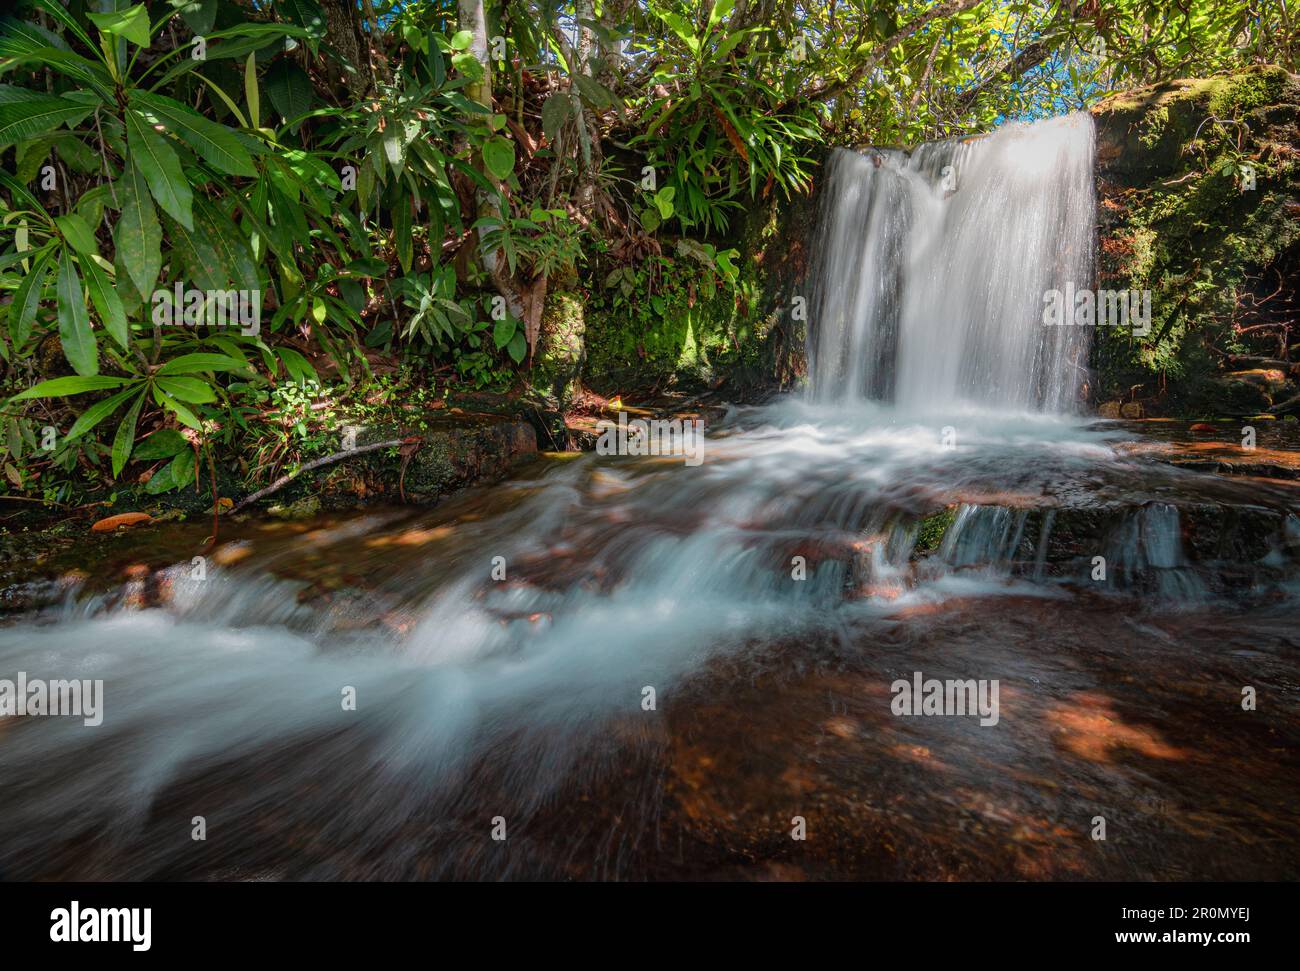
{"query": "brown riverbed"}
pixel 1111 706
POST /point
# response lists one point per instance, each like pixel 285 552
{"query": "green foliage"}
pixel 720 134
pixel 169 170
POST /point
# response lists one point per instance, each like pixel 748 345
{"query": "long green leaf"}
pixel 213 143
pixel 56 10
pixel 78 339
pixel 78 233
pixel 27 119
pixel 97 412
pixel 161 445
pixel 197 363
pixel 62 387
pixel 107 302
pixel 193 250
pixel 28 42
pixel 22 312
pixel 186 416
pixel 161 168
pixel 229 244
pixel 193 390
pixel 124 438
pixel 289 89
pixel 23 197
pixel 138 234
pixel 250 92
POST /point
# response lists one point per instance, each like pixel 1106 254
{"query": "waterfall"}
pixel 931 270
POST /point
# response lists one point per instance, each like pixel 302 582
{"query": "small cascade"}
pixel 1145 554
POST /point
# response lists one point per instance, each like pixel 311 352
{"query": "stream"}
pixel 637 669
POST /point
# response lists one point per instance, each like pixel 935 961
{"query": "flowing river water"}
pixel 895 519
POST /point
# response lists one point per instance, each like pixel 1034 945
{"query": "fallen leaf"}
pixel 123 519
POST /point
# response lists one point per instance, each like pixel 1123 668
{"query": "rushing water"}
pixel 931 270
pixel 731 589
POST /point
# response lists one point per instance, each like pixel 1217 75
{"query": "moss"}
pixel 932 530
pixel 1177 217
pixel 431 470
pixel 1154 125
pixel 690 343
pixel 304 508
pixel 1141 244
pixel 1246 91
pixel 673 330
pixel 561 347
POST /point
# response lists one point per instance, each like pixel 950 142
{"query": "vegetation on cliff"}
pixel 401 201
pixel 1200 194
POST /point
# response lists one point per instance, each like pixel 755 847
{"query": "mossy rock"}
pixel 1199 186
pixel 561 347
pixel 456 452
pixel 932 530
pixel 305 508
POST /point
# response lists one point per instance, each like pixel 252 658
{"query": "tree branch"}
pixel 945 9
pixel 284 480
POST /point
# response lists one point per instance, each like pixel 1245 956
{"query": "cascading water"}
pixel 795 543
pixel 932 269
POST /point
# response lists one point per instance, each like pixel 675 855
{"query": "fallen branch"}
pixel 1251 360
pixel 680 406
pixel 284 480
pixel 43 502
pixel 1291 404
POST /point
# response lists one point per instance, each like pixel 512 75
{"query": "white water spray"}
pixel 932 269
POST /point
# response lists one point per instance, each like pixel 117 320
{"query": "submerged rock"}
pixel 304 508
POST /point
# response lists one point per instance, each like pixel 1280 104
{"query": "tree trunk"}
pixel 343 33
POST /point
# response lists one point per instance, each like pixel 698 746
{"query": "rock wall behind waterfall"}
pixel 1199 202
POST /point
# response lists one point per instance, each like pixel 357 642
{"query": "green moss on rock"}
pixel 1179 216
pixel 672 328
pixel 932 530
pixel 561 347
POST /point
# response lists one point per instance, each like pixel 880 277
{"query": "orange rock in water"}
pixel 124 519
pixel 1202 428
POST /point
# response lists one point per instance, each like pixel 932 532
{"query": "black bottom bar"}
pixel 334 920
